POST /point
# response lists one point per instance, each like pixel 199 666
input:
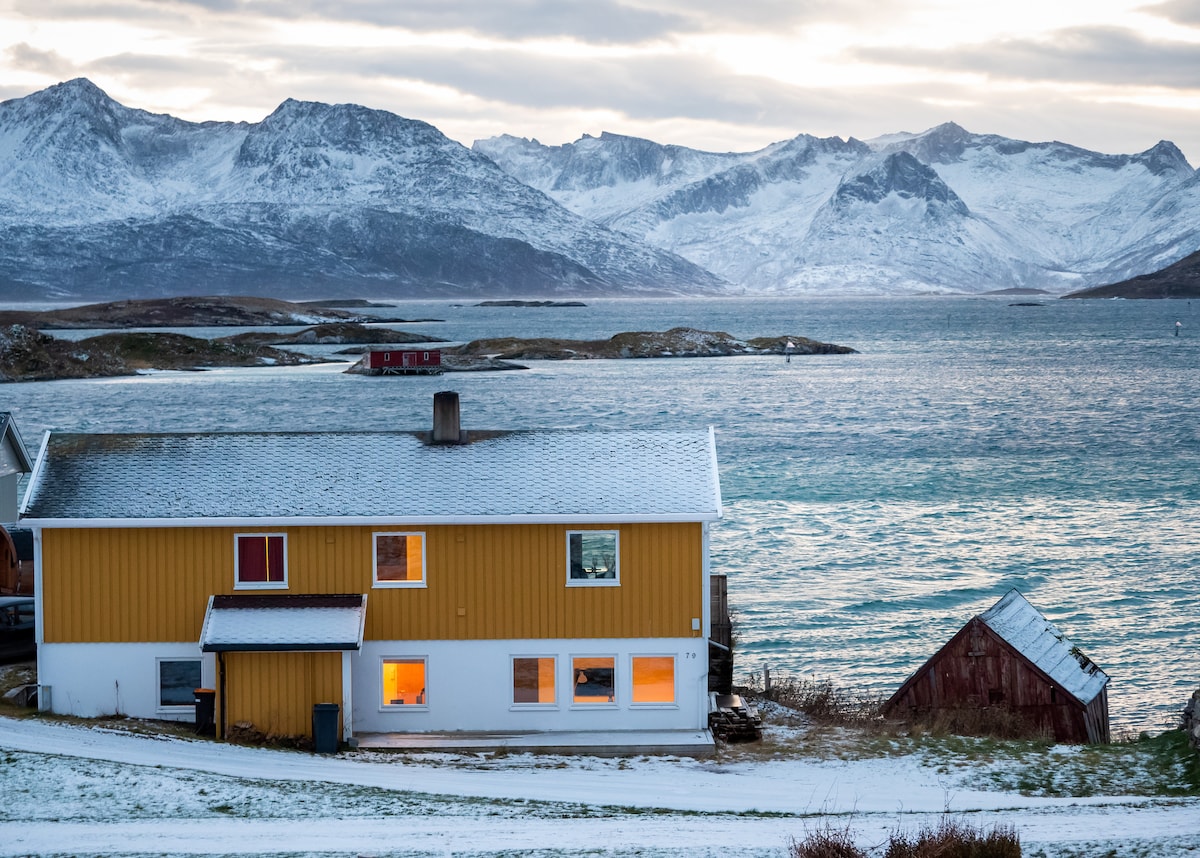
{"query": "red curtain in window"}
pixel 260 558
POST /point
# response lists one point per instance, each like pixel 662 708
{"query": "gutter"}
pixel 364 520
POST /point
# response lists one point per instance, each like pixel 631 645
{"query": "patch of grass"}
pixel 13 676
pixel 1162 765
pixel 994 721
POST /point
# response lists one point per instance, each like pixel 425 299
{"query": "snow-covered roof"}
pixel 283 622
pixel 1024 628
pixel 377 476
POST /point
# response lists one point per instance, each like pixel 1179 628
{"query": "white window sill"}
pixel 399 585
pixel 261 585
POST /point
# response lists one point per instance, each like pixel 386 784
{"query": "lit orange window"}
pixel 594 679
pixel 653 679
pixel 533 680
pixel 404 682
pixel 400 559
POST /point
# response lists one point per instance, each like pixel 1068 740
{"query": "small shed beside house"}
pixel 1012 657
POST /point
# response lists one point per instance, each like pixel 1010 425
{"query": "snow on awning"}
pixel 283 623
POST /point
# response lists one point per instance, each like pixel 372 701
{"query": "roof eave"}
pixel 281 647
pixel 363 520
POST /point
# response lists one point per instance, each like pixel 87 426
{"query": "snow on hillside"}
pixel 1033 215
pixel 320 200
pixel 82 791
pixel 98 200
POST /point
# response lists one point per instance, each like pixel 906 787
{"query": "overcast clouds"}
pixel 1111 75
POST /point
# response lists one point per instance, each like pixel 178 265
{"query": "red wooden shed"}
pixel 404 362
pixel 1013 658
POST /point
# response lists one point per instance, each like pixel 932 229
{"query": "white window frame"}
pixel 403 707
pixel 595 582
pixel 512 679
pixel 674 704
pixel 159 706
pixel 616 685
pixel 239 584
pixel 375 582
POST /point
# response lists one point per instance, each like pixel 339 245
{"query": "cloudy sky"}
pixel 1111 75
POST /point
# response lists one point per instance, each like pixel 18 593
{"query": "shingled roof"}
pixel 381 476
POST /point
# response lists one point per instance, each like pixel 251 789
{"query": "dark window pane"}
pixel 177 682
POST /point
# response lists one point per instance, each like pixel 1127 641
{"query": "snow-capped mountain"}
pixel 98 200
pixel 316 200
pixel 945 210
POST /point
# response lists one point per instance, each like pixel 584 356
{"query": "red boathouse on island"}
pixel 404 362
pixel 1011 657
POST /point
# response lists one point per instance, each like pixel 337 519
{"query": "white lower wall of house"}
pixel 94 679
pixel 469 686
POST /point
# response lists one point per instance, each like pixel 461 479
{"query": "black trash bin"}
pixel 206 710
pixel 325 727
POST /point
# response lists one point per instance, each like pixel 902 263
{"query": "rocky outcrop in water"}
pixel 189 312
pixel 30 355
pixel 338 333
pixel 677 342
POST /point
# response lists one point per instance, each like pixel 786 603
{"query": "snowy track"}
pixel 663 806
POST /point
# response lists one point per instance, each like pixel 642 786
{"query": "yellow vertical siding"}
pixel 275 691
pixel 482 582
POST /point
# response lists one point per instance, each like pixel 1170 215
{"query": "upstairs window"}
pixel 260 560
pixel 399 560
pixel 592 558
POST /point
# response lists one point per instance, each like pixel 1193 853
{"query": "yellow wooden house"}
pixel 425 582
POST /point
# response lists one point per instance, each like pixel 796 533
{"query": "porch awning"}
pixel 284 623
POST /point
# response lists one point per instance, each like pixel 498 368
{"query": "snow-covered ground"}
pixel 88 790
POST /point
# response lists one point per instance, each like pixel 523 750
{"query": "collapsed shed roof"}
pixel 1024 628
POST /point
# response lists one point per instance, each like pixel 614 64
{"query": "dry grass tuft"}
pixel 821 700
pixel 826 842
pixel 950 838
pixel 993 722
pixel 953 838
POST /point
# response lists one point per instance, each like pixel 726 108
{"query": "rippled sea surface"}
pixel 874 502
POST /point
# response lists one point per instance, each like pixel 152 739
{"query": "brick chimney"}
pixel 446 429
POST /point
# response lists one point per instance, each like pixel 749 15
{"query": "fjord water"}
pixel 874 502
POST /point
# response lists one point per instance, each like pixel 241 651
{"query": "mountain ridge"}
pixel 315 200
pixel 100 200
pixel 1009 214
